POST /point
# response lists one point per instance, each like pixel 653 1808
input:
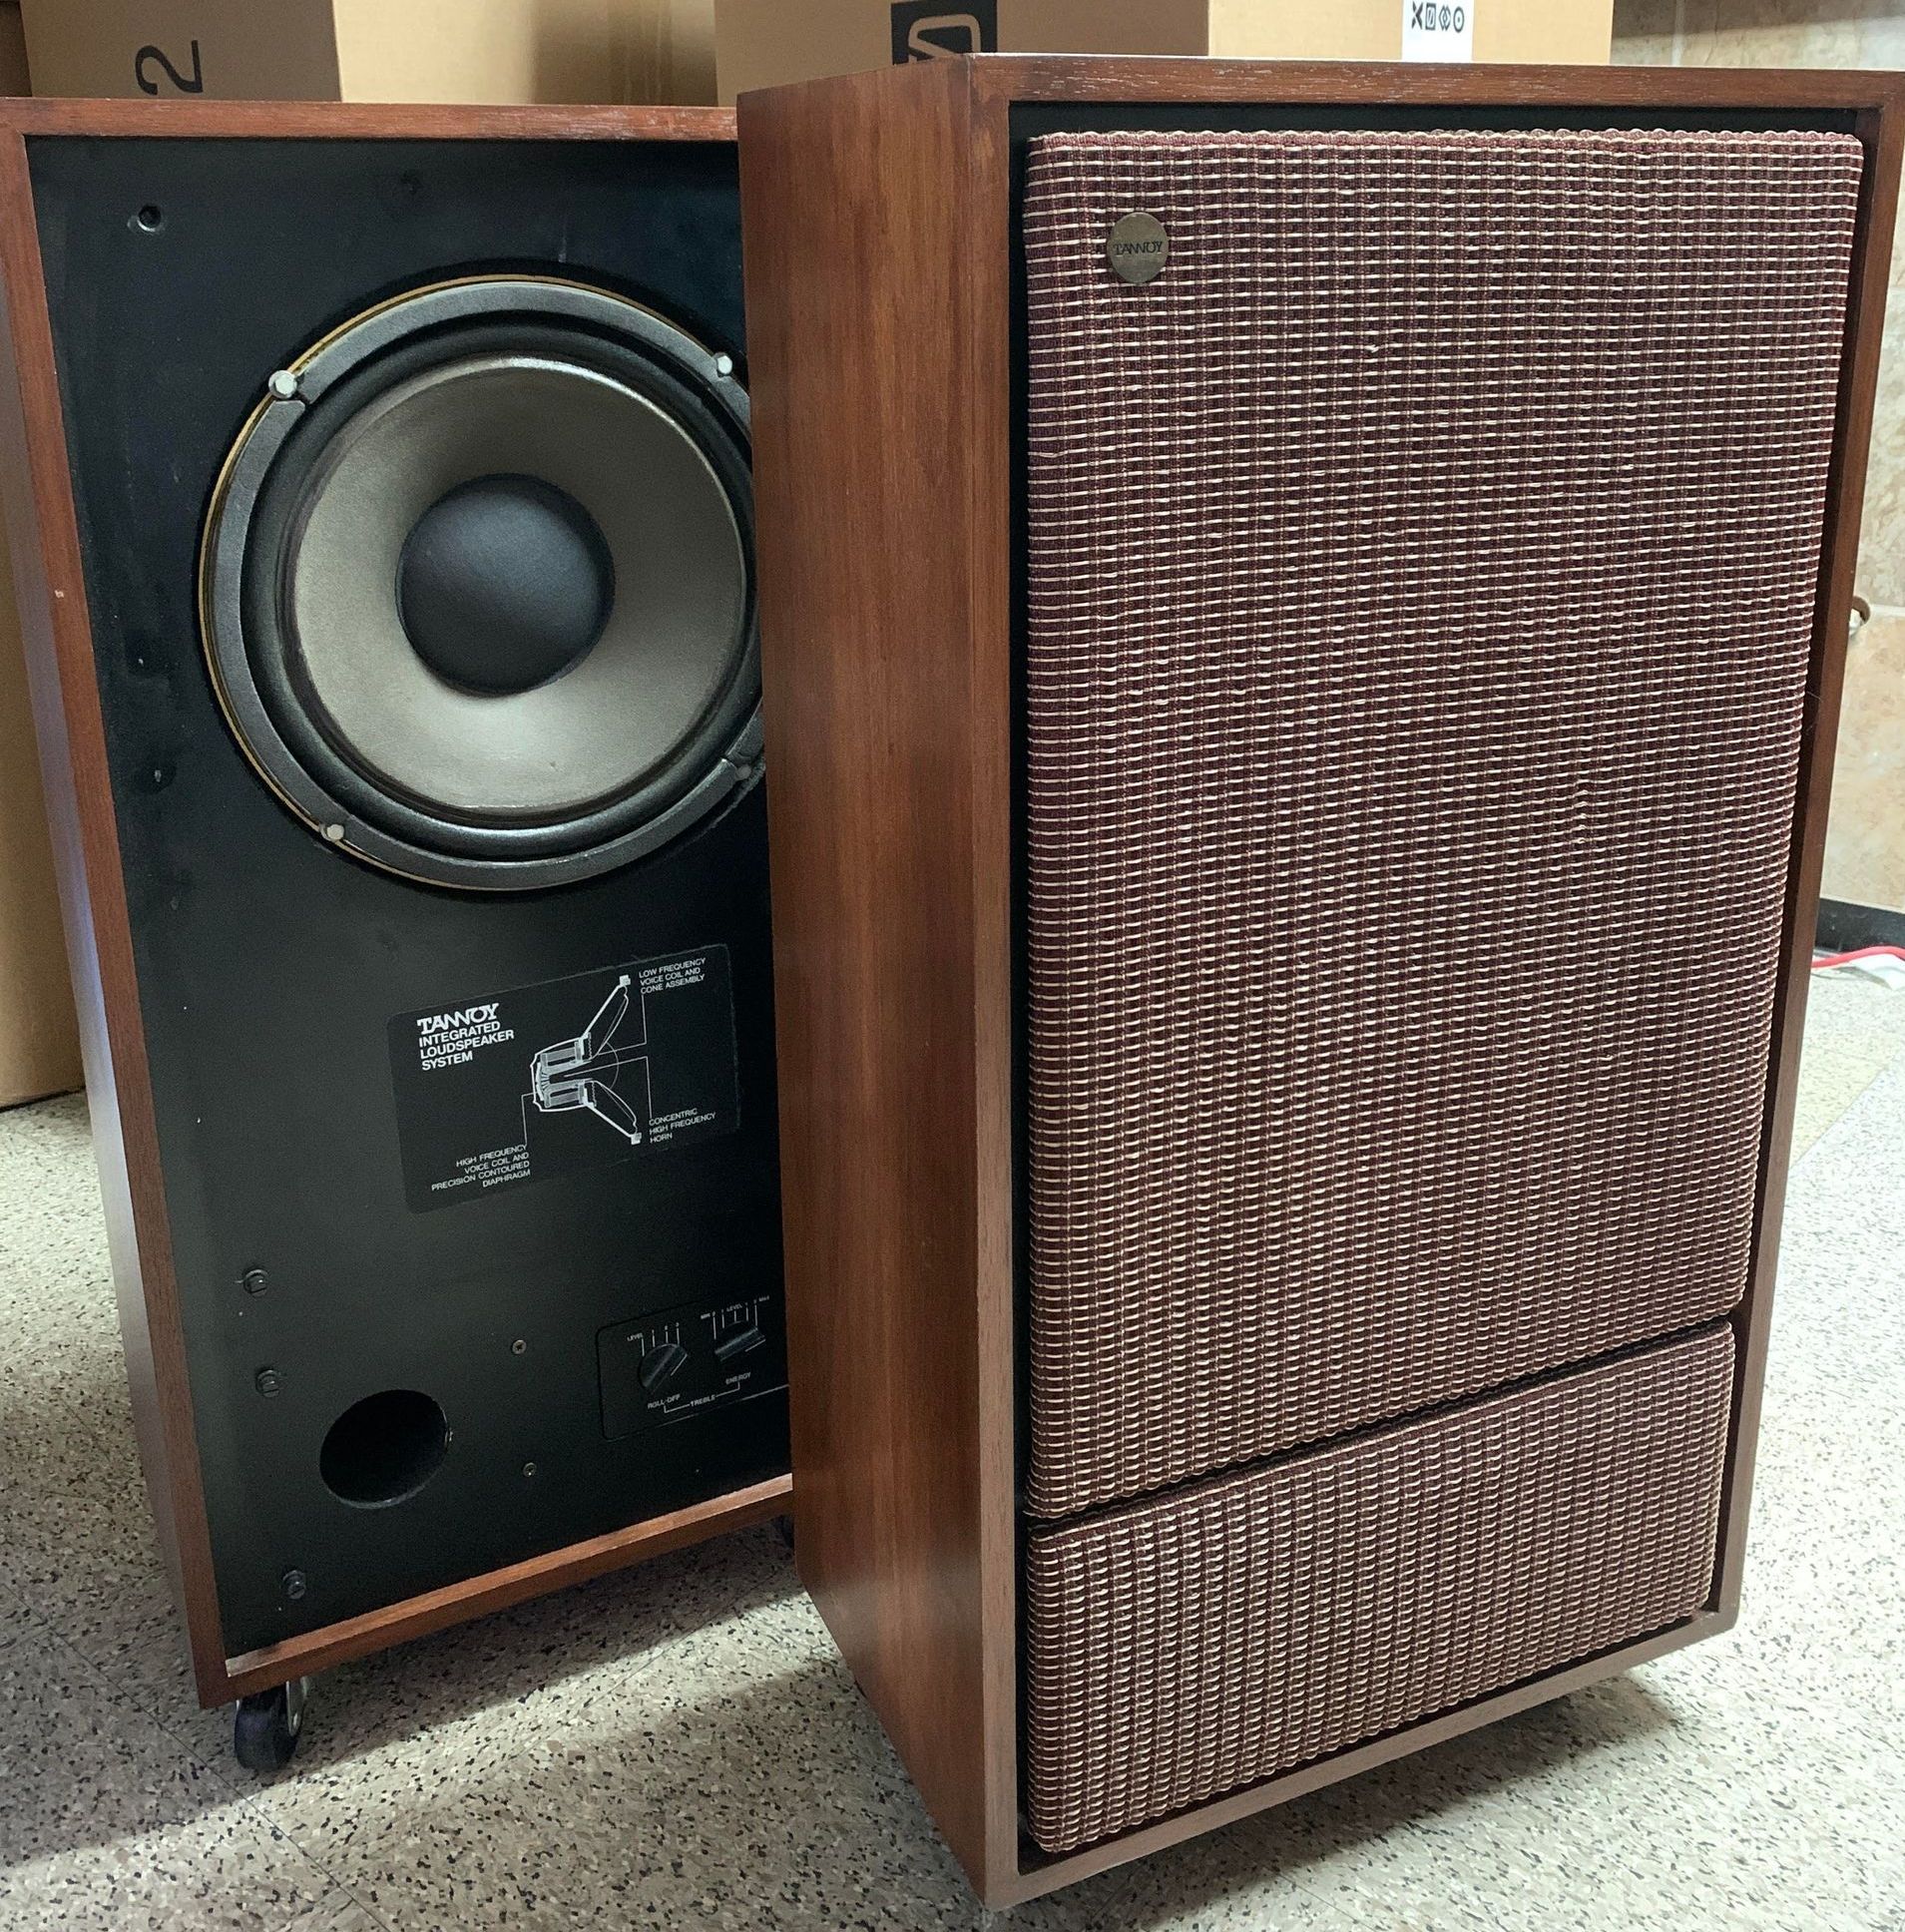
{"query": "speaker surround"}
pixel 615 738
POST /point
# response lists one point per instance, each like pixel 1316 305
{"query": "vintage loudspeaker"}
pixel 388 566
pixel 1303 615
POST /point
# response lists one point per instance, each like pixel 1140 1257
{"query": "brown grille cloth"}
pixel 1421 580
pixel 1191 1644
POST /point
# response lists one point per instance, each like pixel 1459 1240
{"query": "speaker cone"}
pixel 478 585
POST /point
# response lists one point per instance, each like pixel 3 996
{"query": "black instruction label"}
pixel 584 1071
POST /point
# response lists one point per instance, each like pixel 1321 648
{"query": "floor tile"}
pixel 1855 1029
pixel 336 1912
pixel 105 1823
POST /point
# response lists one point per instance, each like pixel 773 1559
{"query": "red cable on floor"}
pixel 1820 961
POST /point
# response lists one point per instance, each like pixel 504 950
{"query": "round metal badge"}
pixel 1138 248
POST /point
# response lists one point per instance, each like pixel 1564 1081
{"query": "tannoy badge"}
pixel 395 649
pixel 1138 248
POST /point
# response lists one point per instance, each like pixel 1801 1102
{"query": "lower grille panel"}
pixel 1199 1642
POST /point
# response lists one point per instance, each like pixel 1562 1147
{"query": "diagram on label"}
pixel 570 1074
pixel 583 1072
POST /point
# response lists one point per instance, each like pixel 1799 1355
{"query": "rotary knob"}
pixel 661 1365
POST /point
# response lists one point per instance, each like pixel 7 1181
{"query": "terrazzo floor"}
pixel 680 1746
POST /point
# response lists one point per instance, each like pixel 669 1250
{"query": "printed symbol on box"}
pixel 1438 30
pixel 930 30
pixel 149 57
pixel 580 1075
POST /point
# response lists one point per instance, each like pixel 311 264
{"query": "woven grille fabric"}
pixel 1188 1645
pixel 1421 578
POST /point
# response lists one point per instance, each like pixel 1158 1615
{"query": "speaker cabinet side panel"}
pixel 1881 131
pixel 49 588
pixel 872 282
pixel 282 980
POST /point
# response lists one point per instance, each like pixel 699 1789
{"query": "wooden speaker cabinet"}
pixel 383 527
pixel 1303 610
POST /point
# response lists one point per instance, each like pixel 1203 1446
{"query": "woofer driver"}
pixel 477 584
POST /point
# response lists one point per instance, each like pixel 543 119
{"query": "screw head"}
pixel 255 1280
pixel 529 1469
pixel 519 1346
pixel 295 1584
pixel 283 385
pixel 723 365
pixel 267 1382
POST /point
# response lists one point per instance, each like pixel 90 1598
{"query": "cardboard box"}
pixel 375 49
pixel 13 50
pixel 39 1036
pixel 765 43
pixel 39 1039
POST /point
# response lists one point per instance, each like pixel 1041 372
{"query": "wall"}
pixel 1865 855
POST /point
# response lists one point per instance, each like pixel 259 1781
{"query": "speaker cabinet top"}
pixel 360 120
pixel 934 488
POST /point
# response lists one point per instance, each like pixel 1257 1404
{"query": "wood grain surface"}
pixel 878 218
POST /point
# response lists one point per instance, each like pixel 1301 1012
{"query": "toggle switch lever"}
pixel 738 1343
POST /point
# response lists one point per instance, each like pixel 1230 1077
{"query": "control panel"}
pixel 685 1362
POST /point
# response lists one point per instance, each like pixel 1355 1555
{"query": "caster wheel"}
pixel 264 1727
pixel 783 1528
